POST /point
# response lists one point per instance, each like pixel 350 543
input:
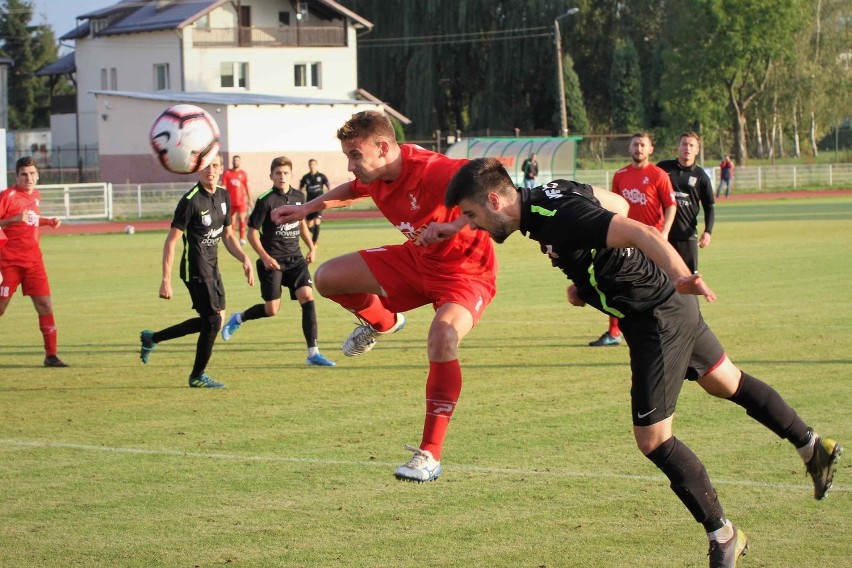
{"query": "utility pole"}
pixel 563 111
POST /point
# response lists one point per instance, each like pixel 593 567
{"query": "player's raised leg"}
pixel 348 281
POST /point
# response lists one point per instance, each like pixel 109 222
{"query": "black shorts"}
pixel 668 344
pixel 293 274
pixel 314 215
pixel 208 296
pixel 688 251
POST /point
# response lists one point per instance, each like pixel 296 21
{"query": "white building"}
pixel 280 76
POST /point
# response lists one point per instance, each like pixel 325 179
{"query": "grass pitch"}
pixel 115 463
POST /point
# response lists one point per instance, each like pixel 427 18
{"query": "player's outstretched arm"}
pixel 340 196
pixel 627 233
pixel 437 232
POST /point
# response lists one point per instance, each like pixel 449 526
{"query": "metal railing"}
pixel 285 36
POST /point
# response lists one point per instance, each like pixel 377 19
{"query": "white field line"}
pixel 459 467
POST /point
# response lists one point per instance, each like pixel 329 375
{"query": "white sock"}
pixel 313 351
pixel 723 534
pixel 807 451
pixel 239 317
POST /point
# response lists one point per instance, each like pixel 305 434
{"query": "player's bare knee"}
pixel 443 342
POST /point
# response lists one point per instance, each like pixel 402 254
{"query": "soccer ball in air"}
pixel 185 139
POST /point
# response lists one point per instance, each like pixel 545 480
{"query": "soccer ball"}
pixel 185 139
pixel 130 229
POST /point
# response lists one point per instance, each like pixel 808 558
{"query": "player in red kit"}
pixel 21 261
pixel 456 276
pixel 648 191
pixel 235 181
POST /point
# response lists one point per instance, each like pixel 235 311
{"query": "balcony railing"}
pixel 313 36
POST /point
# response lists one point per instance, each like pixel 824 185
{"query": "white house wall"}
pixel 271 69
pixel 133 56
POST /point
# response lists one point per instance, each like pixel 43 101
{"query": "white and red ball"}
pixel 185 139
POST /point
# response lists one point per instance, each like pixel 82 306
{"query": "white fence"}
pixel 158 200
pixel 754 179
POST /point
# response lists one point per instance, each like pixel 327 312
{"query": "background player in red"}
pixel 649 192
pixel 456 276
pixel 21 262
pixel 235 181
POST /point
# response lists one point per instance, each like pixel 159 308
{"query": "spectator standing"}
pixel 530 169
pixel 727 174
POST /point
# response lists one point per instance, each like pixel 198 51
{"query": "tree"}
pixel 735 51
pixel 578 121
pixel 29 48
pixel 625 88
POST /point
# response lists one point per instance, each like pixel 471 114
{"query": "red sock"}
pixel 613 327
pixel 443 387
pixel 48 331
pixel 368 307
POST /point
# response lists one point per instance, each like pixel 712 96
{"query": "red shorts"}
pixel 33 278
pixel 239 208
pixel 409 285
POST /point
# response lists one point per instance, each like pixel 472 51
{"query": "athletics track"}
pixel 98 227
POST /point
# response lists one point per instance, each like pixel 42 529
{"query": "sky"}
pixel 61 14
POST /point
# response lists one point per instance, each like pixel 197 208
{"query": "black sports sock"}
pixel 309 323
pixel 764 404
pixel 187 327
pixel 257 311
pixel 689 481
pixel 315 233
pixel 206 339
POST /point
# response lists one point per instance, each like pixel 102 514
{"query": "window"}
pixel 109 79
pixel 307 74
pixel 233 74
pixel 284 19
pixel 203 22
pixel 161 77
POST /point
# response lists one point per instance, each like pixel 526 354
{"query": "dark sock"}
pixel 206 339
pixel 689 481
pixel 257 311
pixel 309 323
pixel 187 327
pixel 315 233
pixel 764 404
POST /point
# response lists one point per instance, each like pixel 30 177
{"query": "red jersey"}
pixel 416 198
pixel 21 247
pixel 236 182
pixel 649 192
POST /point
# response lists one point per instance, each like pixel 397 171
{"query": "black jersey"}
pixel 279 241
pixel 692 190
pixel 571 226
pixel 313 184
pixel 202 216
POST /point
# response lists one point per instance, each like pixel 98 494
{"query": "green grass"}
pixel 112 463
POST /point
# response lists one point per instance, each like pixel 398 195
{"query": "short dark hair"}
pixel 367 125
pixel 642 134
pixel 25 162
pixel 279 162
pixel 690 134
pixel 476 179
